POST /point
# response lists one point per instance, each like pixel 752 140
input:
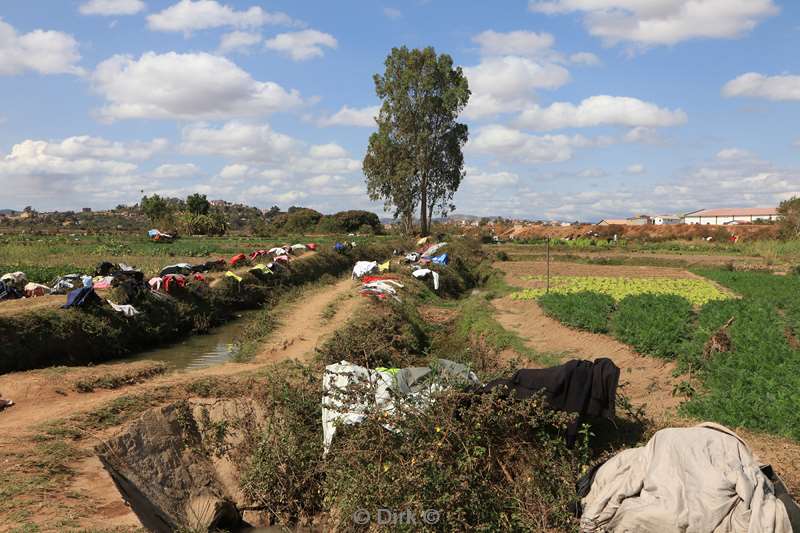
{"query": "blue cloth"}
pixel 441 259
pixel 339 247
pixel 152 233
pixel 81 297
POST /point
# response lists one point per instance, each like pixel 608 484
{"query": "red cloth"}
pixel 282 258
pixel 236 259
pixel 198 277
pixel 370 279
pixel 258 253
pixel 173 280
pixel 311 246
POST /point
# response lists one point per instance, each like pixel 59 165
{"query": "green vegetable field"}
pixel 754 382
pixel 697 292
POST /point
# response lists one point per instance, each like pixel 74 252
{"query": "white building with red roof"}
pixel 728 215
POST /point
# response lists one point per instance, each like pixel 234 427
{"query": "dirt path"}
pixel 46 395
pixel 647 381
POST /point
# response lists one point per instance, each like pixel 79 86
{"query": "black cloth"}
pixel 582 387
pixel 175 270
pixel 8 292
pixel 104 269
pixel 219 264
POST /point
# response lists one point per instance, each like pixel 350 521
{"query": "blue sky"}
pixel 581 109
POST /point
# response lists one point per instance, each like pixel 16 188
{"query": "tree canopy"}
pixel 789 218
pixel 198 204
pixel 415 160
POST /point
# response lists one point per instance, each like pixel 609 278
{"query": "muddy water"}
pixel 199 351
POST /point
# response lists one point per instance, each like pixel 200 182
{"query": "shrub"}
pixel 583 310
pixel 484 463
pixel 653 324
pixel 387 334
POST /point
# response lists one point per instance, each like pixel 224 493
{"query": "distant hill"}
pixel 8 212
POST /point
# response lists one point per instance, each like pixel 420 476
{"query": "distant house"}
pixel 86 210
pixel 639 220
pixel 731 214
pixel 662 220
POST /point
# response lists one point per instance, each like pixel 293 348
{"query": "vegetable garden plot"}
pixel 697 292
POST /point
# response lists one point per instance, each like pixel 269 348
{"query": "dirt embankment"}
pixel 648 232
pixel 90 500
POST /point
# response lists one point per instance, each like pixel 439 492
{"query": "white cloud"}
pixel 636 169
pixel 322 180
pixel 600 110
pixel 662 22
pixel 733 153
pixel 45 52
pixel 585 58
pixel 85 146
pixel 327 151
pixel 238 41
pixel 185 86
pixel 175 170
pixel 786 87
pixel 504 142
pixel 238 140
pixel 112 7
pixel 592 173
pixel 349 116
pixel 187 16
pixel 507 84
pixel 644 135
pixel 290 196
pixel 302 45
pixel 392 13
pixel 481 178
pixel 514 43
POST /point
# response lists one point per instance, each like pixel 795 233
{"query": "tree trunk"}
pixel 423 201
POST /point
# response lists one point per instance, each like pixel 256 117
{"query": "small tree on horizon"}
pixel 198 204
pixel 415 158
pixel 789 218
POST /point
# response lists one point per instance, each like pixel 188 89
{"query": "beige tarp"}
pixel 690 480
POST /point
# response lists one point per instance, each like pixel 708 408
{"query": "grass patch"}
pixel 115 380
pixel 582 310
pixel 476 317
pixel 654 324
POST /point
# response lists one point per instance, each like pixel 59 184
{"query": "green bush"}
pixel 654 324
pixel 583 310
pixel 484 463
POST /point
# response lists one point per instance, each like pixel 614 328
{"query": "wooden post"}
pixel 547 247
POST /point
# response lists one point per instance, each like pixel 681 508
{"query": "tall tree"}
pixel 414 160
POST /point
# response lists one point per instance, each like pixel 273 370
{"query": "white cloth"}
pixel 278 251
pixel 351 392
pixel 433 249
pixel 382 287
pixel 413 257
pixel 155 283
pixel 363 268
pixel 127 310
pixel 423 272
pixel 702 479
pixel 296 247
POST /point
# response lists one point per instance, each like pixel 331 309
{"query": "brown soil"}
pixel 43 396
pixel 647 382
